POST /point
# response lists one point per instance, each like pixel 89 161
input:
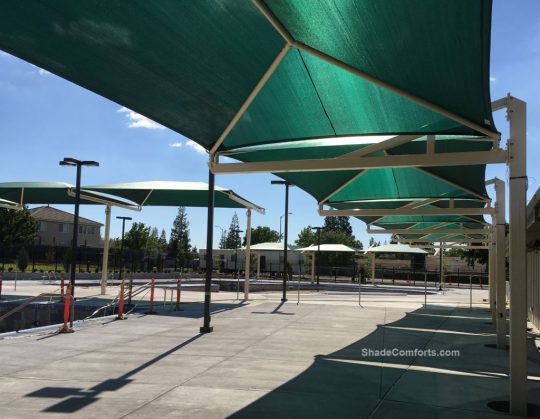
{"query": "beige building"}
pixel 56 227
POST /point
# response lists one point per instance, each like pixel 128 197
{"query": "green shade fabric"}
pixel 172 193
pixel 24 193
pixel 191 65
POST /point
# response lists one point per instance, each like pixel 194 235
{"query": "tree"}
pixel 339 224
pixel 306 237
pixel 22 259
pixel 262 234
pixel 233 241
pixel 179 242
pixel 372 242
pixel 222 240
pixel 136 239
pixel 16 227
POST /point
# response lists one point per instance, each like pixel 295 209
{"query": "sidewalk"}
pixel 265 359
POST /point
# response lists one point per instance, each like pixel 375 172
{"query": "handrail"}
pixel 28 302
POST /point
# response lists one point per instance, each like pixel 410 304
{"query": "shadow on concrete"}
pixel 360 380
pixel 193 310
pixel 275 311
pixel 78 398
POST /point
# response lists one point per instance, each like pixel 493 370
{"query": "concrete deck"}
pixel 265 359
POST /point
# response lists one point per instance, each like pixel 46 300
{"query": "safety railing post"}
pixel 120 315
pixel 62 286
pixel 130 288
pixel 67 311
pixel 178 291
pixel 151 306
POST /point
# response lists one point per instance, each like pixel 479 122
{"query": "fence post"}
pixel 67 305
pixel 458 279
pixel 121 302
pixel 151 306
pixel 1 279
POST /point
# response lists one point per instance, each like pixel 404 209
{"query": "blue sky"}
pixel 44 118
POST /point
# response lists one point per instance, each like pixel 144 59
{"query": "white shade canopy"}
pixel 327 248
pixel 395 248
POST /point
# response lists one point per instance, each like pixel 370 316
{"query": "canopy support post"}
pixel 517 164
pixel 373 268
pixel 105 265
pixel 500 264
pixel 206 328
pixel 258 264
pixel 248 255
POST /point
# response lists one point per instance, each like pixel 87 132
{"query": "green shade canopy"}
pixel 59 193
pixel 131 194
pixel 201 60
pixel 172 193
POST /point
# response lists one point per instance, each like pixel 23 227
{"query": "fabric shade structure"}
pixel 273 72
pixel 395 248
pixel 59 193
pixel 173 193
pixel 129 195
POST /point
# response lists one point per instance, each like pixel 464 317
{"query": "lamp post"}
pixel 237 234
pixel 318 229
pixel 281 218
pixel 222 234
pixel 122 246
pixel 287 184
pixel 68 161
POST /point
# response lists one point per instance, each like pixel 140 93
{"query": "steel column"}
pixel 206 328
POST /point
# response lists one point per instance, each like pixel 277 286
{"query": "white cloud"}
pixel 175 145
pixel 136 120
pixel 198 148
pixel 492 79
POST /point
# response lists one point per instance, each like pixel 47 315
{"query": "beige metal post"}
pixel 105 265
pixel 248 255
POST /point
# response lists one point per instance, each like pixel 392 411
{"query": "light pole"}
pixel 318 229
pixel 69 161
pixel 237 234
pixel 287 184
pixel 280 218
pixel 122 246
pixel 222 234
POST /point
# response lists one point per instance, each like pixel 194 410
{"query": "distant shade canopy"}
pixel 327 248
pixel 395 248
pixel 152 193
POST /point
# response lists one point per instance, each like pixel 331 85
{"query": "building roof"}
pixel 47 213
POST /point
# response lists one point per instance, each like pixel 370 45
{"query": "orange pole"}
pixel 65 328
pixel 178 283
pixel 151 307
pixel 62 286
pixel 121 302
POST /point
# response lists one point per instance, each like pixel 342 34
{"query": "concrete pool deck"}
pixel 267 359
